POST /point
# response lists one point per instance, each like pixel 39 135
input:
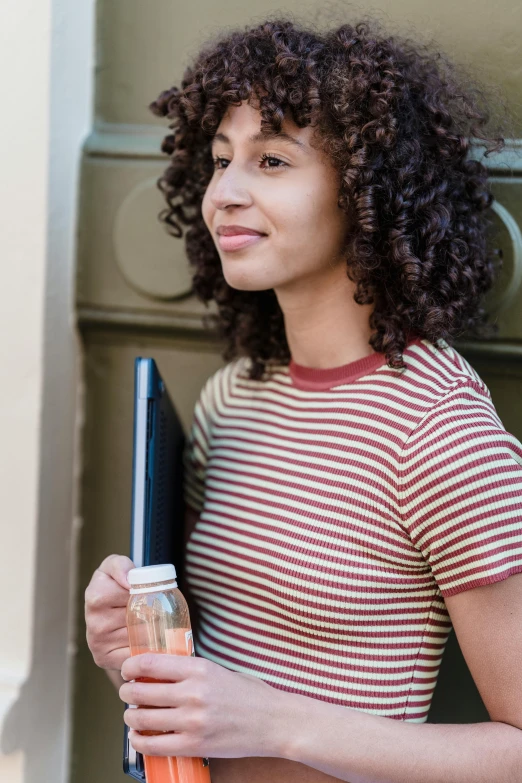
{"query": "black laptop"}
pixel 157 533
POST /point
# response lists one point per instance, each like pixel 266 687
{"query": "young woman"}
pixel 351 491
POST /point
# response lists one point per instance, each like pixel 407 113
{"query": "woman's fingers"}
pixel 107 629
pixel 115 658
pixel 117 567
pixel 165 667
pixel 103 593
pixel 146 719
pixel 106 598
pixel 164 744
pixel 154 694
pixel 108 624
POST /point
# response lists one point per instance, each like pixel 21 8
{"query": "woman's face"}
pixel 292 200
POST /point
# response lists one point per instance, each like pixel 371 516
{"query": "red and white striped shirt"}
pixel 336 510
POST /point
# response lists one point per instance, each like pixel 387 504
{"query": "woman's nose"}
pixel 230 190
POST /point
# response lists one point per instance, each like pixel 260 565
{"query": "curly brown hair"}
pixel 399 122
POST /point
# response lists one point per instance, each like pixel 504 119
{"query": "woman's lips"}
pixel 237 241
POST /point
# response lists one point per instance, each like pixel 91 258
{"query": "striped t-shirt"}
pixel 337 508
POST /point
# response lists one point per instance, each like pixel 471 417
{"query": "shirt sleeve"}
pixel 460 491
pixel 196 452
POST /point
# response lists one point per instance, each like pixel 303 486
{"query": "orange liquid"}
pixel 171 769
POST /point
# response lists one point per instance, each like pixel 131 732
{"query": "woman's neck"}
pixel 324 326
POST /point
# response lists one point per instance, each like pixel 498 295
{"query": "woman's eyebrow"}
pixel 263 136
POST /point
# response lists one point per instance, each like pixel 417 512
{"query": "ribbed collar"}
pixel 317 379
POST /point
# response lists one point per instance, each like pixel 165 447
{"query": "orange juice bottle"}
pixel 158 621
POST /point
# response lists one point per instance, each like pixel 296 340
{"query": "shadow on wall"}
pixel 456 698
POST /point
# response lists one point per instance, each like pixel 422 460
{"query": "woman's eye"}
pixel 217 161
pixel 264 157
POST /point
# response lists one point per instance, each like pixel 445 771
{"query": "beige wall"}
pixel 45 83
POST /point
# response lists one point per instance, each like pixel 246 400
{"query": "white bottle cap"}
pixel 147 575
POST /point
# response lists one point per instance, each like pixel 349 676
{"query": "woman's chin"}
pixel 247 283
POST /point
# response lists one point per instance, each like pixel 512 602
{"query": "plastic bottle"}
pixel 158 621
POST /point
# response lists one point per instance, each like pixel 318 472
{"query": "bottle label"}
pixel 179 641
pixel 189 643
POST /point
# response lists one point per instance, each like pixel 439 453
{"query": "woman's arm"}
pixel 361 748
pixel 224 714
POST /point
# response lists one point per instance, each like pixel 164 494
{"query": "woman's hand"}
pixel 215 713
pixel 105 612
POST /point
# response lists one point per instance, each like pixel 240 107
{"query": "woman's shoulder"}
pixel 222 381
pixel 238 371
pixel 459 405
pixel 441 369
pixel 441 388
pixel 229 372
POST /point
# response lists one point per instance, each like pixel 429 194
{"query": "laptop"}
pixel 157 534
